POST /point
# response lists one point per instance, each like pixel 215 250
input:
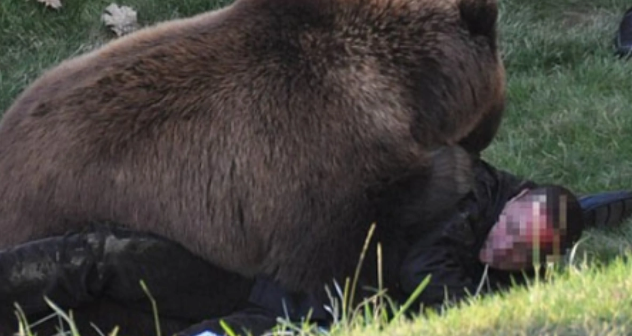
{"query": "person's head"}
pixel 536 226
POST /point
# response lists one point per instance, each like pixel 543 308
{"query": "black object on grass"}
pixel 623 39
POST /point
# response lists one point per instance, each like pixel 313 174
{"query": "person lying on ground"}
pixel 504 226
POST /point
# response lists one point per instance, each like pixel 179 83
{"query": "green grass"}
pixel 568 121
pixel 586 301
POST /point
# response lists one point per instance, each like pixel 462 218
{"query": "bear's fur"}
pixel 264 136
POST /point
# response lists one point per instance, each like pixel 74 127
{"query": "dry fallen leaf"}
pixel 120 19
pixel 56 4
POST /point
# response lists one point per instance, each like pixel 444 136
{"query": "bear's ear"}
pixel 480 16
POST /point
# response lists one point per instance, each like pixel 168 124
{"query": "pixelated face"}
pixel 528 231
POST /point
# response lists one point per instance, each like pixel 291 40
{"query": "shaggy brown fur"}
pixel 263 136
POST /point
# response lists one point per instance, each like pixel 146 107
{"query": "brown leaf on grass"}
pixel 120 19
pixel 55 4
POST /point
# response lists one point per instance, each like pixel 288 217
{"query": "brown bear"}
pixel 266 136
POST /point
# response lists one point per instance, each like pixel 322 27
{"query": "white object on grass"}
pixel 120 19
pixel 56 4
pixel 208 333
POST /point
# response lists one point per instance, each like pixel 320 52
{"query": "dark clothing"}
pixel 450 255
pixel 106 262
